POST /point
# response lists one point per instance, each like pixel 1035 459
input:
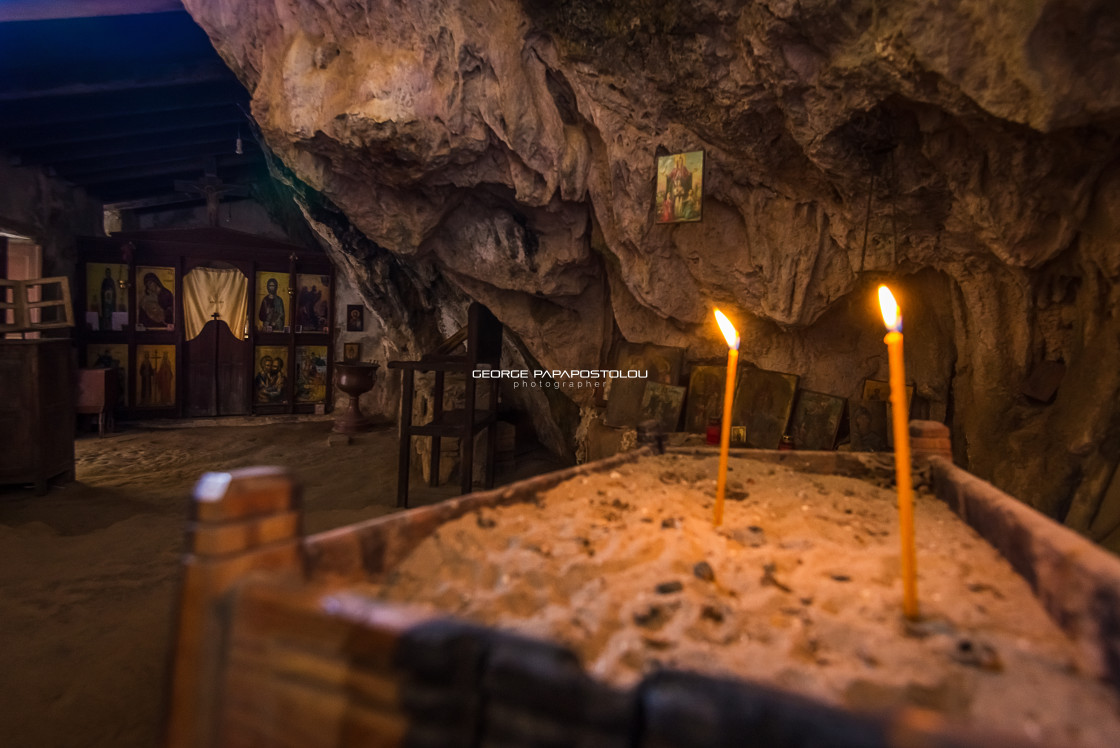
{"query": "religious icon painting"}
pixel 106 301
pixel 624 409
pixel 706 387
pixel 350 352
pixel 111 356
pixel 270 376
pixel 313 303
pixel 155 376
pixel 662 362
pixel 657 363
pixel 272 301
pixel 311 374
pixel 680 187
pixel 355 317
pixel 877 389
pixel 868 425
pixel 155 298
pixel 763 402
pixel 662 403
pixel 816 419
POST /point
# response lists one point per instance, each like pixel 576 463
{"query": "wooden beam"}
pixel 165 76
pixel 78 168
pixel 156 201
pixel 127 145
pixel 92 107
pixel 183 166
pixel 65 133
pixel 37 10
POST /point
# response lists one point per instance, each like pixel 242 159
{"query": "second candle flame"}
pixel 728 330
pixel 889 308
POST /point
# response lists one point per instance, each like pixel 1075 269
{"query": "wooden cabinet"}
pixel 36 411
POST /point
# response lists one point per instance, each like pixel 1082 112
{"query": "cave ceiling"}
pixel 505 151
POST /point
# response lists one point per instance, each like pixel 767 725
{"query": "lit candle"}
pixel 893 320
pixel 732 337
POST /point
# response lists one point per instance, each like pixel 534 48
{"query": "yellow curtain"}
pixel 209 290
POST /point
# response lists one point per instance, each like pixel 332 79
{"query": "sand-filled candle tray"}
pixel 599 606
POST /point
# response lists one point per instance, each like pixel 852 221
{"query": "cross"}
pixel 217 303
pixel 210 186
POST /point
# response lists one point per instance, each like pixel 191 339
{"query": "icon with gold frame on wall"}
pixel 155 376
pixel 680 187
pixel 272 301
pixel 270 375
pixel 313 303
pixel 155 298
pixel 106 301
pixel 311 374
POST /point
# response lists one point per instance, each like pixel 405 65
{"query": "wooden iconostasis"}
pixel 206 322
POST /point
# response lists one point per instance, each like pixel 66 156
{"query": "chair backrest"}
pixel 484 336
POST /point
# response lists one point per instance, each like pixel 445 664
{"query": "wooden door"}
pixel 217 365
pixel 217 373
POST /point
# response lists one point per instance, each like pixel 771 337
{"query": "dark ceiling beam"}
pixel 165 76
pixel 187 166
pixel 120 146
pixel 77 169
pixel 91 107
pixel 155 201
pixel 37 10
pixel 193 202
pixel 17 138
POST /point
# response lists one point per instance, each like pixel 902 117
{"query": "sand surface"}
pixel 89 572
pixel 799 588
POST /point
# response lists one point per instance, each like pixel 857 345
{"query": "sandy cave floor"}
pixel 89 572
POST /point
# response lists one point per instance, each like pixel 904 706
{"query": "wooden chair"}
pixel 483 337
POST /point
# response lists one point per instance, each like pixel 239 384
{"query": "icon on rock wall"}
pixel 680 187
pixel 354 318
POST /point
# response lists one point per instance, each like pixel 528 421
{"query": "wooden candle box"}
pixel 275 647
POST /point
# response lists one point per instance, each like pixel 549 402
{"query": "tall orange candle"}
pixel 732 336
pixel 893 320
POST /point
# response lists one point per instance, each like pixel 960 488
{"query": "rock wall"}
pixel 50 212
pixel 504 150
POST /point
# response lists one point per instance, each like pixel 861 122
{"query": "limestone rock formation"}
pixel 504 150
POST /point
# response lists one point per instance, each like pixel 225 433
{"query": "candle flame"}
pixel 891 318
pixel 728 330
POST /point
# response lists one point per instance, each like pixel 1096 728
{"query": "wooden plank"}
pixel 239 494
pixel 199 655
pixel 239 536
pixel 294 714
